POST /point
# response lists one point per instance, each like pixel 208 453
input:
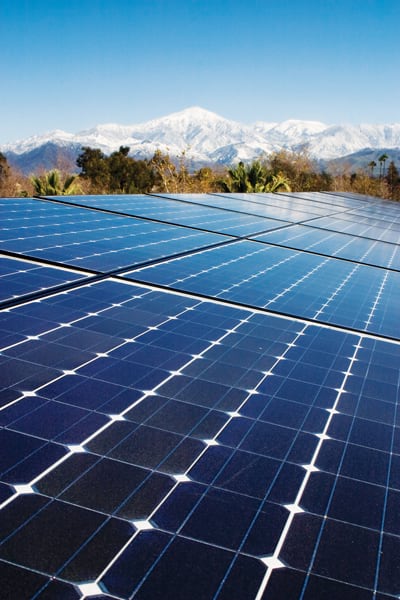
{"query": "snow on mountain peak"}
pixel 206 136
pixel 195 113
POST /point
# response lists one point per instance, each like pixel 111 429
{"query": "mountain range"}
pixel 208 138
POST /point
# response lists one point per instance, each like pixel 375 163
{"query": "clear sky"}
pixel 72 64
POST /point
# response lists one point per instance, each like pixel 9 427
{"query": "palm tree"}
pixel 254 178
pixel 372 166
pixel 278 183
pixel 257 175
pixel 51 184
pixel 239 178
pixel 382 159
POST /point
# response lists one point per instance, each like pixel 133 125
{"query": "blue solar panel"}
pixel 337 200
pixel 176 211
pixel 359 227
pixel 350 247
pixel 306 208
pixel 296 283
pixel 166 444
pixel 248 204
pixel 91 240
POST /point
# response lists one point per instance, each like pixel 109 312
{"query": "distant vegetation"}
pixel 119 173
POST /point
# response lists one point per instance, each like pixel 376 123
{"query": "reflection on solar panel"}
pixel 219 424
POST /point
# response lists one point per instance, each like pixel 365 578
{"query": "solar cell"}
pixel 165 444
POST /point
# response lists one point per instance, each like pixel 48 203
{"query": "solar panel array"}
pixel 199 397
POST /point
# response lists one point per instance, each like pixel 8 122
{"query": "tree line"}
pixel 119 173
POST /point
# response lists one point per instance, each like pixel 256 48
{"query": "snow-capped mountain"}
pixel 340 140
pixel 206 137
pixel 292 131
pixel 196 131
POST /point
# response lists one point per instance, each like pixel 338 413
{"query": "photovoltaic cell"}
pixel 160 444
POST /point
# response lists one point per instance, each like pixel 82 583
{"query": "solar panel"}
pixel 296 283
pixel 241 203
pixel 311 208
pixel 350 247
pixel 355 227
pixel 176 211
pixel 224 428
pixel 93 240
pixel 334 199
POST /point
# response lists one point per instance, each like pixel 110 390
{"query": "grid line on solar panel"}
pixel 207 498
pixel 326 198
pixel 295 508
pixel 288 282
pixel 370 219
pixel 203 218
pixel 361 198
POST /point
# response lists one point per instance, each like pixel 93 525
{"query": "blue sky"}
pixel 72 64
